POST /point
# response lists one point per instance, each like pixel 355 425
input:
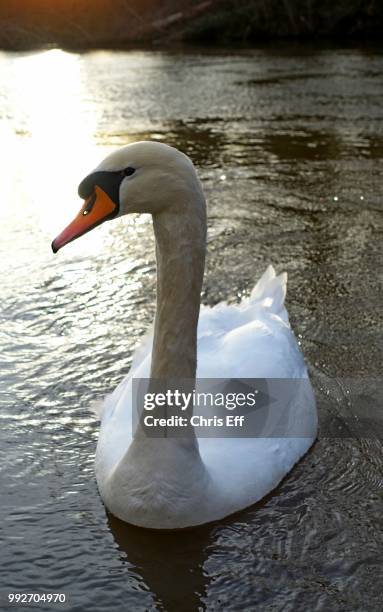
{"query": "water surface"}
pixel 289 146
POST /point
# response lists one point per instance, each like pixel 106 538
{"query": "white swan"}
pixel 180 482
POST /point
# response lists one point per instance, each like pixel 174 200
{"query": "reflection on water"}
pixel 289 146
pixel 171 563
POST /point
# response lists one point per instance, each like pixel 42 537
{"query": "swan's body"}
pixel 177 482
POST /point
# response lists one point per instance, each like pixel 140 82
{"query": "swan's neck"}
pixel 180 248
pixel 170 467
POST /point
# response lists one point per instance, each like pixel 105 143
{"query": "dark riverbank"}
pixel 89 24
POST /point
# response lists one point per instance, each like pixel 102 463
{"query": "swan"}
pixel 183 481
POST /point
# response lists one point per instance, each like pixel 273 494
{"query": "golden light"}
pixel 48 140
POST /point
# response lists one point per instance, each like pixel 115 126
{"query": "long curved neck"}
pixel 180 246
pixel 180 249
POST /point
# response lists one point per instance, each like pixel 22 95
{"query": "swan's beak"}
pixel 96 209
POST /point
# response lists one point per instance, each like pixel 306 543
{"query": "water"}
pixel 289 146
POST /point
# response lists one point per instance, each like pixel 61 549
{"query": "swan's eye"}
pixel 128 171
pixel 89 205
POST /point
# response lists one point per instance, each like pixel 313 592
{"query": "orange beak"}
pixel 96 209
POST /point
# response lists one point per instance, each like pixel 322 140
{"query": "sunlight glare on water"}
pixel 52 141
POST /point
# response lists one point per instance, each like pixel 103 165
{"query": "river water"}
pixel 289 146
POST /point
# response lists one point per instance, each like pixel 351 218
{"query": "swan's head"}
pixel 143 177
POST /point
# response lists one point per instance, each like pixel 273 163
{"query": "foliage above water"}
pixel 99 23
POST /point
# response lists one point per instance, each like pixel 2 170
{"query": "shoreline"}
pixel 181 46
pixel 209 23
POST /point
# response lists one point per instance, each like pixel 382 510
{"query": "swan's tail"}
pixel 270 291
